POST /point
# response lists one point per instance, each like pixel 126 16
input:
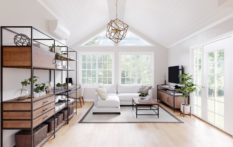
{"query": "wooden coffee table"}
pixel 148 105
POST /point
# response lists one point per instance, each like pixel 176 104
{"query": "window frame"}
pixel 197 50
pixel 98 54
pixel 136 53
pixel 145 42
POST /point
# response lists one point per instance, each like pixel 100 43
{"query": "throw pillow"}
pixel 102 93
pixel 146 89
pixel 141 89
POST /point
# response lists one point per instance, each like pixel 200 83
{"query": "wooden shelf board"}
pixel 28 100
pixel 57 92
pixel 37 68
pixel 14 46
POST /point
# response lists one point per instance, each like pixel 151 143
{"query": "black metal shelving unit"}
pixel 38 36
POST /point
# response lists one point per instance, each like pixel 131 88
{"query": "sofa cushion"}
pixel 110 88
pixel 128 89
pixel 141 89
pixel 111 101
pixel 127 96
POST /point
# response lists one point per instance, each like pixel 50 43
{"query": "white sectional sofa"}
pixel 127 93
pixel 115 100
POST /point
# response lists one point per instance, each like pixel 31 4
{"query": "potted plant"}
pixel 187 87
pixel 24 93
pixel 40 89
pixel 59 86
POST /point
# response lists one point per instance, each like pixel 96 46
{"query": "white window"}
pixel 131 39
pixel 136 68
pixel 96 68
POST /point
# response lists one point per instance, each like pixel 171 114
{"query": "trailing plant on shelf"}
pixel 187 86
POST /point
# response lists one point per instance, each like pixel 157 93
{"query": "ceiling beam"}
pixel 88 37
pixel 112 8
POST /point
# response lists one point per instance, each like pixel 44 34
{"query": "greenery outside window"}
pixel 136 68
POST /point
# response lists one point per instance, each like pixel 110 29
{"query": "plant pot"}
pixel 24 94
pixel 185 108
pixel 42 93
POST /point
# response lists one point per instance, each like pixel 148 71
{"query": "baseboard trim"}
pixel 221 130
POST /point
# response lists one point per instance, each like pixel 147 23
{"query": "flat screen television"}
pixel 174 74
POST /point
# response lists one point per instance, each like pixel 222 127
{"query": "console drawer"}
pixel 43 102
pixel 43 117
pixel 43 109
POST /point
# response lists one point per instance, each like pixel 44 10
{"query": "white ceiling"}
pixel 166 22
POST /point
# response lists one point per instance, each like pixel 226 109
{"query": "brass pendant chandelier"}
pixel 116 29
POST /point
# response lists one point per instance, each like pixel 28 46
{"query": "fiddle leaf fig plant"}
pixel 187 85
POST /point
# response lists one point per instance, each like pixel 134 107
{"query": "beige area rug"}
pixel 129 116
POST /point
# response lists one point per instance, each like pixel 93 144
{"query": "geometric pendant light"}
pixel 116 29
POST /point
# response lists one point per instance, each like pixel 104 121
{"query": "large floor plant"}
pixel 187 86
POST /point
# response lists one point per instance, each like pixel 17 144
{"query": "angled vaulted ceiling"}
pixel 81 17
pixel 163 21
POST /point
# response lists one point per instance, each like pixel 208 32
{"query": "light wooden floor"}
pixel 191 133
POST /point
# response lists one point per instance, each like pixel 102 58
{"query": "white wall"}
pixel 181 55
pixel 160 63
pixel 24 12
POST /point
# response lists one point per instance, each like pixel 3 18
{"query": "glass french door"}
pixel 198 80
pixel 214 83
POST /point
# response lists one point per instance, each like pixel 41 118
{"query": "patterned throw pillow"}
pixel 144 91
pixel 141 89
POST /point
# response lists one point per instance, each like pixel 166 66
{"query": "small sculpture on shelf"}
pixel 21 40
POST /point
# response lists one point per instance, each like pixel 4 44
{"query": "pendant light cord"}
pixel 116 8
